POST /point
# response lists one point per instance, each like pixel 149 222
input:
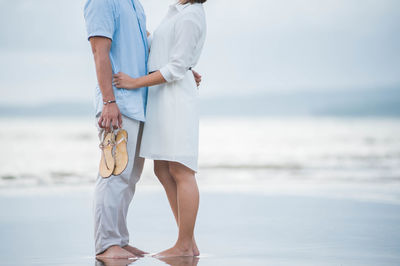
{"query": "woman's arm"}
pixel 122 80
pixel 187 34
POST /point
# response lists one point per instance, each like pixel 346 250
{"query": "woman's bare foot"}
pixel 116 252
pixel 176 251
pixel 196 251
pixel 135 251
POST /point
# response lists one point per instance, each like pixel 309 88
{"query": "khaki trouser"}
pixel 114 194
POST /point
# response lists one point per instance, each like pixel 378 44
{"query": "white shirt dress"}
pixel 171 130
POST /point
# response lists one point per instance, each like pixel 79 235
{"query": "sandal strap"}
pixel 109 143
pixel 121 140
pixel 102 146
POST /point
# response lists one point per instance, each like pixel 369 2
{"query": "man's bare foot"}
pixel 116 252
pixel 196 251
pixel 180 261
pixel 113 262
pixel 176 251
pixel 135 251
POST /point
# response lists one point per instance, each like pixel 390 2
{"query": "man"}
pixel 117 33
pixel 118 36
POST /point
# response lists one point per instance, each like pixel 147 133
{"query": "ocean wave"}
pixel 253 166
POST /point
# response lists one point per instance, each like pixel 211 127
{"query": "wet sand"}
pixel 53 226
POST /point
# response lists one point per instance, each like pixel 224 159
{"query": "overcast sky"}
pixel 252 46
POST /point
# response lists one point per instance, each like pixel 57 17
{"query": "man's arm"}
pixel 110 116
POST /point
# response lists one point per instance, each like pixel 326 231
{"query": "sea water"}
pixel 323 155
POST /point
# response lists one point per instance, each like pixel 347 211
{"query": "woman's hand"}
pixel 197 78
pixel 122 80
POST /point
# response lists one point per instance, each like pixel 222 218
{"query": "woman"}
pixel 170 135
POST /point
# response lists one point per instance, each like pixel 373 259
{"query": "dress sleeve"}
pixel 186 37
pixel 100 18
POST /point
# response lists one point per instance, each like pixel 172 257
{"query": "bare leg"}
pixel 116 252
pixel 188 204
pixel 161 169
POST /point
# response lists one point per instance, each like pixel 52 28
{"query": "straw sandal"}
pixel 107 162
pixel 121 153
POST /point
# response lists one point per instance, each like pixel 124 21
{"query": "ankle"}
pixel 184 245
pixel 113 247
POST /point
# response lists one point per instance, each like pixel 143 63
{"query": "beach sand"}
pixel 53 226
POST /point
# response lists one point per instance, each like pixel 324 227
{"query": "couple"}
pixel 146 86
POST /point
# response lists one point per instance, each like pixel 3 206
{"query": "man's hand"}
pixel 110 117
pixel 197 78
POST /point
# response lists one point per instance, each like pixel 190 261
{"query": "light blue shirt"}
pixel 124 22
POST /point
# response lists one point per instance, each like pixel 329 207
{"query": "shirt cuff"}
pixel 100 34
pixel 166 73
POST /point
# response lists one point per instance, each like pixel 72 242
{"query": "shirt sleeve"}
pixel 187 36
pixel 100 18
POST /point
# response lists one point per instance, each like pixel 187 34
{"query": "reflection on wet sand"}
pixel 114 262
pixel 180 261
pixel 175 261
